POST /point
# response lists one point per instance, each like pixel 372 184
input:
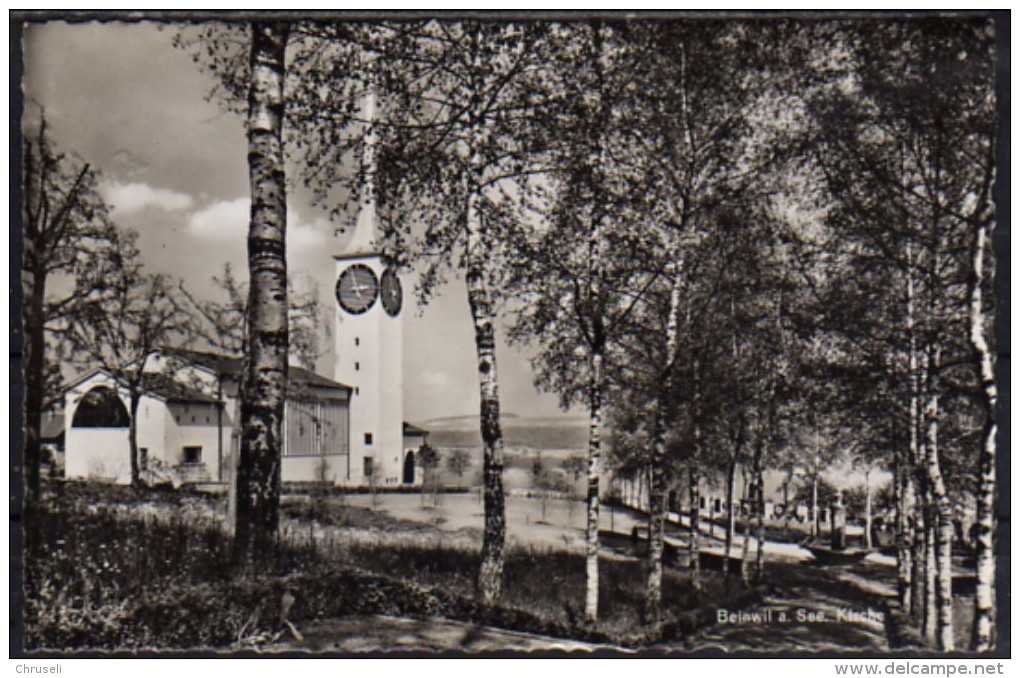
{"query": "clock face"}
pixel 357 289
pixel 392 295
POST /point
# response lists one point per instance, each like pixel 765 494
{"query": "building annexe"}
pixel 186 426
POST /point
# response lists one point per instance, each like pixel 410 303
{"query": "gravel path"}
pixel 380 633
pixel 812 608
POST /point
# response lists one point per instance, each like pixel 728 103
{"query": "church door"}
pixel 409 468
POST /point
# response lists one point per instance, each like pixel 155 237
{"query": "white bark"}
pixel 983 634
pixel 657 485
pixel 262 404
pixel 867 508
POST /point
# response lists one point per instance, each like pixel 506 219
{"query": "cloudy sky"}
pixel 174 167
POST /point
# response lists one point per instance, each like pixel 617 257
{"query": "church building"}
pixel 347 430
pixel 186 427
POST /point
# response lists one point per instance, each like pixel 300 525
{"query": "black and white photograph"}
pixel 450 334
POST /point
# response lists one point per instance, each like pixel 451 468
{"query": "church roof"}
pixel 155 384
pixel 223 365
pixel 358 254
pixel 166 388
pixel 412 430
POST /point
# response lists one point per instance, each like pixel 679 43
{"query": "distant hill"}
pixel 563 432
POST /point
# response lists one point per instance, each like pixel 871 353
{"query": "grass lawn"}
pixel 560 524
pixel 113 568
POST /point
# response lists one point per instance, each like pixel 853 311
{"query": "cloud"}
pixel 220 221
pixel 308 237
pixel 135 197
pixel 226 221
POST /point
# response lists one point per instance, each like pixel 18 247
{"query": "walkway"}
pixel 381 633
pixel 812 608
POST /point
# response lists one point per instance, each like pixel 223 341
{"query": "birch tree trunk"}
pixel 262 404
pixel 745 555
pixel 591 541
pixel 597 330
pixel 695 480
pixel 943 509
pixel 731 524
pixel 490 575
pixel 656 520
pixel 983 633
pixel 595 378
pixel 909 556
pixel 903 534
pixel 694 542
pixel 930 620
pixel 657 495
pixel 815 531
pixel 918 558
pixel 759 557
pixel 867 509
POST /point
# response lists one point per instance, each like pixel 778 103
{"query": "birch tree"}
pixel 983 637
pixel 707 148
pixel 452 145
pixel 919 146
pixel 582 275
pixel 264 381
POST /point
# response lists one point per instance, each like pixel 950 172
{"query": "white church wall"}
pixel 194 425
pixel 329 468
pixel 152 427
pixel 95 453
pixel 98 454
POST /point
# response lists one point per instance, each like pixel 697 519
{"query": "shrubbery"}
pixel 104 577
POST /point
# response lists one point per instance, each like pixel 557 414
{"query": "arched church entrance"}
pixel 100 408
pixel 96 439
pixel 409 468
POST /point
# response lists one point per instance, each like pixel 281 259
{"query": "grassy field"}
pixel 114 568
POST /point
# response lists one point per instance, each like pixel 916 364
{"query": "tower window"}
pixel 357 341
pixel 357 366
pixel 357 390
pixel 368 438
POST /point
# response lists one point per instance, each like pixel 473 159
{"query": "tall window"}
pixel 368 438
pixel 367 467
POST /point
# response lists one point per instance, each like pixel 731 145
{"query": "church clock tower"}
pixel 369 345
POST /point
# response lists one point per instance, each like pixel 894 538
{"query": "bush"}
pixel 101 576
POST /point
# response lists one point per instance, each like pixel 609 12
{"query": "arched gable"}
pixel 100 407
